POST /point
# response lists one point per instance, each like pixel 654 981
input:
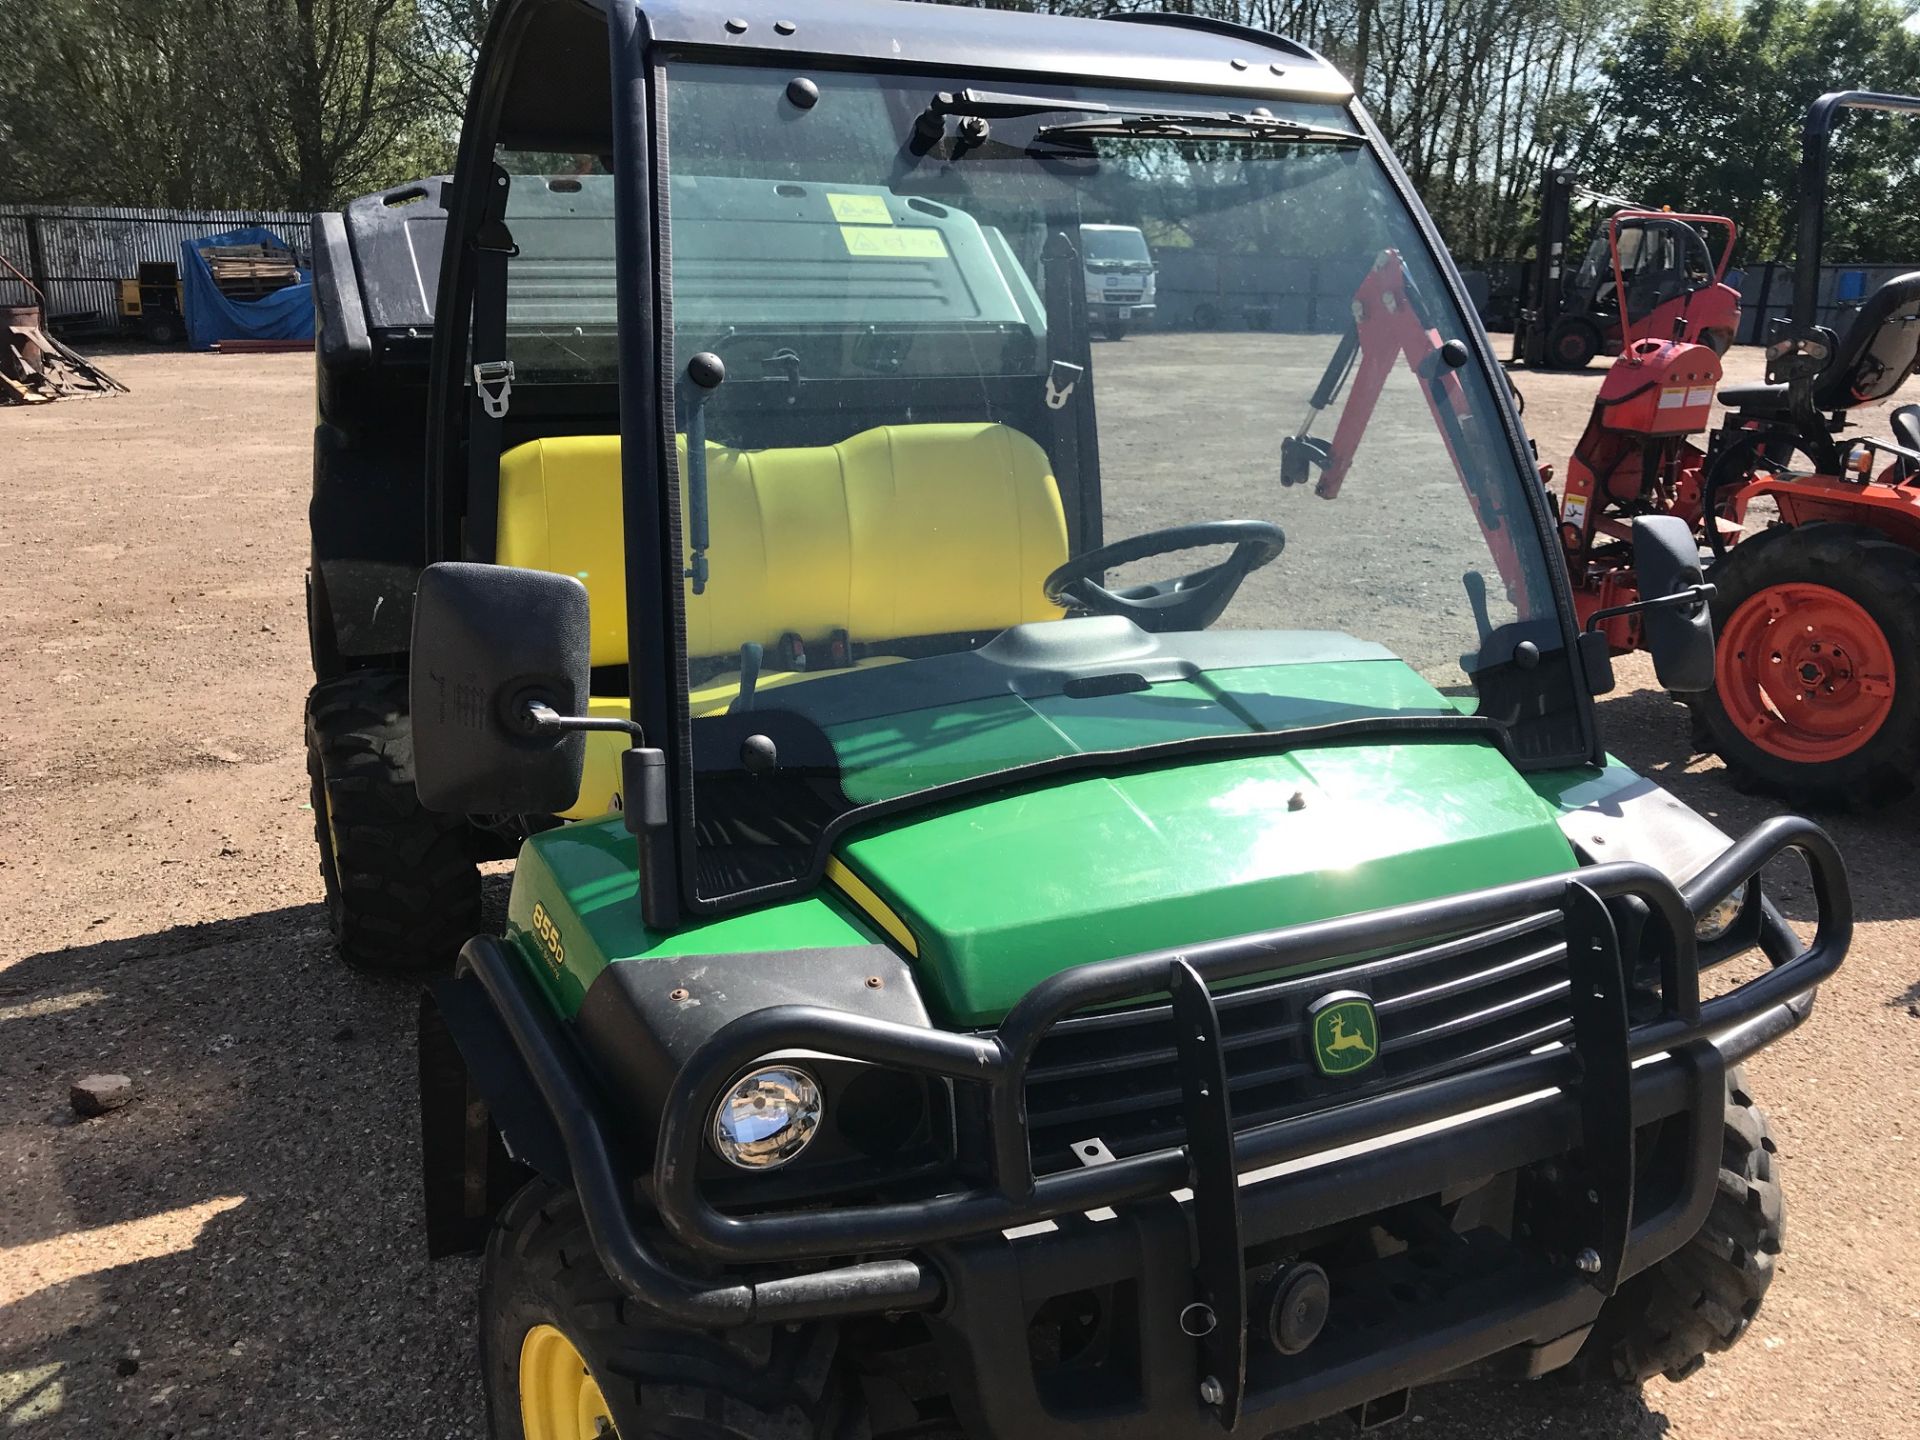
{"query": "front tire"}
pixel 1572 344
pixel 1701 1299
pixel 1817 676
pixel 567 1355
pixel 403 892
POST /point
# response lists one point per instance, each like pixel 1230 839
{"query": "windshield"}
pixel 1113 242
pixel 1659 259
pixel 940 521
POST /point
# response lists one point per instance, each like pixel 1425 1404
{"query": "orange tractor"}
pixel 1817 680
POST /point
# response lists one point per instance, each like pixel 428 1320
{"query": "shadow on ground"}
pixel 238 1251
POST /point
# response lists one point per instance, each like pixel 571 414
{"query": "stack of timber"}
pixel 250 272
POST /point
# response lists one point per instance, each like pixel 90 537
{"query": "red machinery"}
pixel 1817 678
pixel 1634 459
pixel 1649 274
pixel 1665 284
pixel 1390 323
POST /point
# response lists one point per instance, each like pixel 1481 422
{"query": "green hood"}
pixel 1001 890
pixel 998 894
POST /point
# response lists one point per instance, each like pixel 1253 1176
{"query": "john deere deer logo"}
pixel 1346 1036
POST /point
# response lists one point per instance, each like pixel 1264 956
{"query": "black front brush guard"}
pixel 1595 1068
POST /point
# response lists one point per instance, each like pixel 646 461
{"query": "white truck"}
pixel 1120 278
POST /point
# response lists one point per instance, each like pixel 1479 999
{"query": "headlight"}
pixel 767 1117
pixel 1720 917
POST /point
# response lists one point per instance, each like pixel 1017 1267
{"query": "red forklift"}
pixel 1648 274
pixel 1812 526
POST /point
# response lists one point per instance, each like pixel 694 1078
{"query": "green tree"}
pixel 281 103
pixel 1703 106
pixel 101 100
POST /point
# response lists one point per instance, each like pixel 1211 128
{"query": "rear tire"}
pixel 403 892
pixel 540 1274
pixel 1114 329
pixel 1701 1299
pixel 1837 743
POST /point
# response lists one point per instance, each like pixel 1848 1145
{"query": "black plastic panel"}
pixel 396 237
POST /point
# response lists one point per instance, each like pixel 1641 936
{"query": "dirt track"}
pixel 237 1253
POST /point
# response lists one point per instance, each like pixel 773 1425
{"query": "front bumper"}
pixel 1243 1189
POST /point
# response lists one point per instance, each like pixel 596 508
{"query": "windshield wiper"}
pixel 1200 125
pixel 1118 120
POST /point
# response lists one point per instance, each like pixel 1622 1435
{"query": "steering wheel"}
pixel 1187 602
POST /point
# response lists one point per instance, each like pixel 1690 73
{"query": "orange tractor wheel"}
pixel 1817 686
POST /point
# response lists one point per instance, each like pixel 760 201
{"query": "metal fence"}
pixel 77 256
pixel 1766 294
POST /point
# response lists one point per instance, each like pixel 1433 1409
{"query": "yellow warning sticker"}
pixel 860 209
pixel 918 242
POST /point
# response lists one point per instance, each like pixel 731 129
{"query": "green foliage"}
pixel 1703 107
pixel 282 103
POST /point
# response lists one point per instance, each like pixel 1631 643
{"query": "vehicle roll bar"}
pixel 1815 169
pixel 1801 354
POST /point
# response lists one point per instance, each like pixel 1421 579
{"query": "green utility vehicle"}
pixel 1028 921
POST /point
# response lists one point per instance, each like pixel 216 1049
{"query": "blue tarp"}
pixel 284 315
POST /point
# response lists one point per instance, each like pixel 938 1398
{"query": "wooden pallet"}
pixel 250 272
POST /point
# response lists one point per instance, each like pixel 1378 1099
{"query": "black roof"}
pixel 1163 50
pixel 559 44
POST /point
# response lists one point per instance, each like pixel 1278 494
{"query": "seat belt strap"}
pixel 1072 443
pixel 491 377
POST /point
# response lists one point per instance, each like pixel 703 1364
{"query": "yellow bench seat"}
pixel 898 532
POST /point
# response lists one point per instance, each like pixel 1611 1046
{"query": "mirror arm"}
pixel 542 718
pixel 643 771
pixel 1687 599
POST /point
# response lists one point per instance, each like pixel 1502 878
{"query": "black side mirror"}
pixel 493 648
pixel 1676 627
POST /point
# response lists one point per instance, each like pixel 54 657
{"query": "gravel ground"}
pixel 237 1252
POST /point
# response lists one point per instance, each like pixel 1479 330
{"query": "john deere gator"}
pixel 1039 910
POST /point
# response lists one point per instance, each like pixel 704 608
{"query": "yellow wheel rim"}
pixel 559 1398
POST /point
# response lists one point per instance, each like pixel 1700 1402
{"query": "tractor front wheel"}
pixel 403 891
pixel 568 1356
pixel 1817 678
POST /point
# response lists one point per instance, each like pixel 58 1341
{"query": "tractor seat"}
pixel 899 532
pixel 1905 424
pixel 1873 359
